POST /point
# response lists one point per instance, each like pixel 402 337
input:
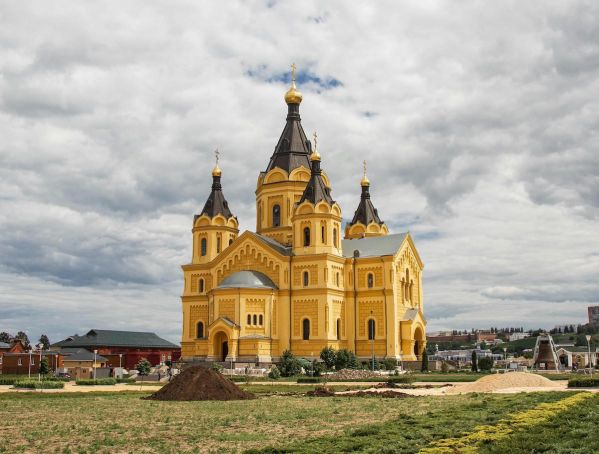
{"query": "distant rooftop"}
pixel 109 338
pixel 80 354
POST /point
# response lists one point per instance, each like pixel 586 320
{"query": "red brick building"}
pixel 124 348
pixel 18 363
pixel 16 346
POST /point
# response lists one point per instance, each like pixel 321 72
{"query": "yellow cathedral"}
pixel 295 284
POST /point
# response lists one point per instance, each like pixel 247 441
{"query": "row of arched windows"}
pixel 254 319
pixel 307 237
pixel 306 329
pixel 204 245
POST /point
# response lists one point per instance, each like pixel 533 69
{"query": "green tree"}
pixel 5 337
pixel 474 361
pixel 44 341
pixel 289 365
pixel 22 336
pixel 328 356
pixel 44 369
pixel 485 363
pixel 424 366
pixel 274 373
pixel 346 359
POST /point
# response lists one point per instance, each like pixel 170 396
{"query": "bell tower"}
pixel 281 185
pixel 317 217
pixel 215 228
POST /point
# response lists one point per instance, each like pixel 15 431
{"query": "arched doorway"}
pixel 221 346
pixel 418 342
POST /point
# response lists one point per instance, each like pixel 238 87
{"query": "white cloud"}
pixel 477 121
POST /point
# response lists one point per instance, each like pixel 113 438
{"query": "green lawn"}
pixel 122 422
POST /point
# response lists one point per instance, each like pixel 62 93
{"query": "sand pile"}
pixel 497 382
pixel 200 383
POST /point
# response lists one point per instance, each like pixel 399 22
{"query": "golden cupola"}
pixel 293 95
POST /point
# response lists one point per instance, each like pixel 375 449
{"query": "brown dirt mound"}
pixel 326 392
pixel 200 383
pixel 496 382
pixel 320 391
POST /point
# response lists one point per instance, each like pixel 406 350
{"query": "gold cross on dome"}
pixel 315 139
pixel 293 67
pixel 364 162
pixel 216 155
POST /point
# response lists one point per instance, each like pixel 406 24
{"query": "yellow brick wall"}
pixel 226 308
pixel 197 313
pixel 364 309
pixel 377 271
pixel 305 308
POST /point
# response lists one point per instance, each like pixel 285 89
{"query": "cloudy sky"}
pixel 479 120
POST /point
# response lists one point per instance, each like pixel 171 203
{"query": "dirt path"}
pixel 71 387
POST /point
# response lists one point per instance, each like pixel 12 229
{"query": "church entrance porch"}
pixel 221 346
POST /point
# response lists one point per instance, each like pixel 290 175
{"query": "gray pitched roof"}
pixel 374 246
pixel 4 345
pixel 80 354
pixel 109 338
pixel 284 250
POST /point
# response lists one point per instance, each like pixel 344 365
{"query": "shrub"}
pixel 485 363
pixel 97 381
pixel 474 361
pixel 309 380
pixel 583 382
pixel 8 381
pixel 390 363
pixel 274 373
pixel 444 367
pixel 346 360
pixel 289 365
pixel 329 357
pixel 317 368
pixel 32 384
pixel 217 368
pixel 125 380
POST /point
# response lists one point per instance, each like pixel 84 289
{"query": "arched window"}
pixel 306 329
pixel 323 235
pixel 370 280
pixel 338 329
pixel 407 286
pixel 371 329
pixel 335 242
pixel 260 320
pixel 306 236
pixel 203 246
pixel 201 285
pixel 306 277
pixel 337 279
pixel 200 330
pixel 230 241
pixel 255 319
pixel 276 216
pixel 249 319
pixel 218 245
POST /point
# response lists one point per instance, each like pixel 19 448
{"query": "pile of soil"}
pixel 320 391
pixel 200 383
pixel 352 374
pixel 496 382
pixel 387 394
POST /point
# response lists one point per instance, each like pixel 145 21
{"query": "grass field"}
pixel 122 422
